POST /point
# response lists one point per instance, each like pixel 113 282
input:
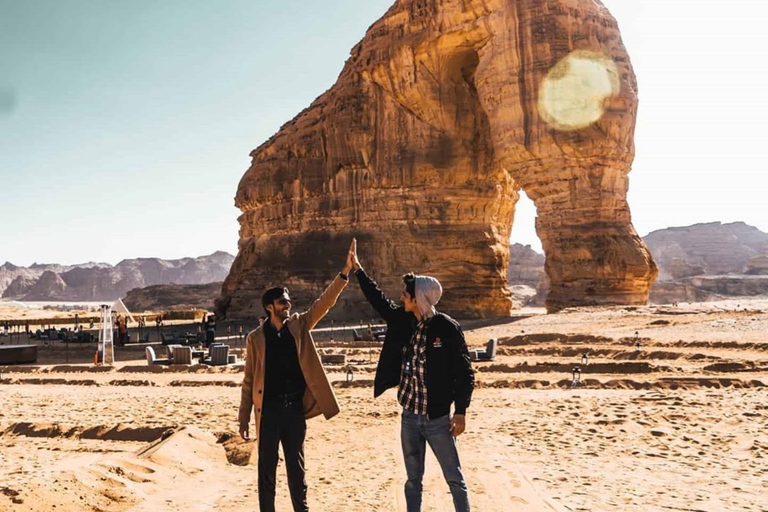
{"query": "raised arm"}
pixel 373 294
pixel 327 299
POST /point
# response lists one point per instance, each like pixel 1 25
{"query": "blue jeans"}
pixel 417 430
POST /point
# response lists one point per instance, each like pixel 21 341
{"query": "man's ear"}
pixel 270 309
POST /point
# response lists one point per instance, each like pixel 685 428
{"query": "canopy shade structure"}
pixel 119 307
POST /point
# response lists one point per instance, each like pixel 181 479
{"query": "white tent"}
pixel 119 307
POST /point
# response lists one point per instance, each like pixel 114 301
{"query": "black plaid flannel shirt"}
pixel 412 391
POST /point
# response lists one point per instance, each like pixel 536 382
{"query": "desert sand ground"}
pixel 680 424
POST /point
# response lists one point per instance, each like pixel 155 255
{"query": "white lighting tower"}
pixel 105 336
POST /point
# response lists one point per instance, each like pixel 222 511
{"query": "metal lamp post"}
pixel 576 375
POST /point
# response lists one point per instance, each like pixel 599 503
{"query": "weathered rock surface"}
pixel 526 266
pixel 709 288
pixel 20 286
pixel 10 272
pixel 168 296
pixel 757 266
pixel 101 281
pixel 710 248
pixel 443 112
pixel 709 261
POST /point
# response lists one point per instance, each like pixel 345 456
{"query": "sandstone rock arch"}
pixel 442 113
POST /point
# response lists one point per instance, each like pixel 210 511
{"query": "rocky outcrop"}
pixel 710 248
pixel 444 111
pixel 708 288
pixel 526 276
pixel 20 286
pixel 10 272
pixel 89 282
pixel 526 266
pixel 757 266
pixel 168 296
pixel 709 261
pixel 732 286
pixel 49 286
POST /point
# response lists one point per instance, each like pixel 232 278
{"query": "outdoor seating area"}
pixel 217 355
pixel 486 354
pixel 179 354
pixel 66 335
pixel 176 338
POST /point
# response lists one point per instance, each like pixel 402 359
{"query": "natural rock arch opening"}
pixel 442 114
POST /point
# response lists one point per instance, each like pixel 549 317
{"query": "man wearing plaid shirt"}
pixel 425 356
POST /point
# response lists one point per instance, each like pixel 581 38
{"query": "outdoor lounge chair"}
pixel 487 354
pixel 151 359
pixel 217 355
pixel 181 355
pixel 169 351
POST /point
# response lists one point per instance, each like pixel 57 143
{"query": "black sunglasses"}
pixel 283 302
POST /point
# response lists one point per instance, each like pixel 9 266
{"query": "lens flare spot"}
pixel 573 94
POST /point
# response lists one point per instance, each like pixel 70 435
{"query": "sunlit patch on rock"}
pixel 573 94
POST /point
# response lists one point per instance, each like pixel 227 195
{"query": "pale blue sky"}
pixel 126 126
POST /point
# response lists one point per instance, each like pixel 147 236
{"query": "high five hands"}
pixel 352 262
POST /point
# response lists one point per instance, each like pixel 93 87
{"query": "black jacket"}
pixel 449 375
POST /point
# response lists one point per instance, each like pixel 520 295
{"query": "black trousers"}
pixel 282 423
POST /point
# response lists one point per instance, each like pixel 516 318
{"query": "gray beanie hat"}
pixel 428 293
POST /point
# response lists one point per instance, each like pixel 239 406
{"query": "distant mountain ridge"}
pixel 100 281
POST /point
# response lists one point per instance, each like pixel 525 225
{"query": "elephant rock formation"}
pixel 442 113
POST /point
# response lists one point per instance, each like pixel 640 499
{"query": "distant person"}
pixel 122 331
pixel 425 356
pixel 210 331
pixel 285 384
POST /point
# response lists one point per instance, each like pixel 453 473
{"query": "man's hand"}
pixel 458 424
pixel 244 432
pixel 353 251
pixel 351 257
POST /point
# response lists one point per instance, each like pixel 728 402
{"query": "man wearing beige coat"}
pixel 284 385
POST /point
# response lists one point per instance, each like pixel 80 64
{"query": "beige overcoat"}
pixel 319 397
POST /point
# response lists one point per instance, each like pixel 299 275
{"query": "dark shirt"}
pixel 283 378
